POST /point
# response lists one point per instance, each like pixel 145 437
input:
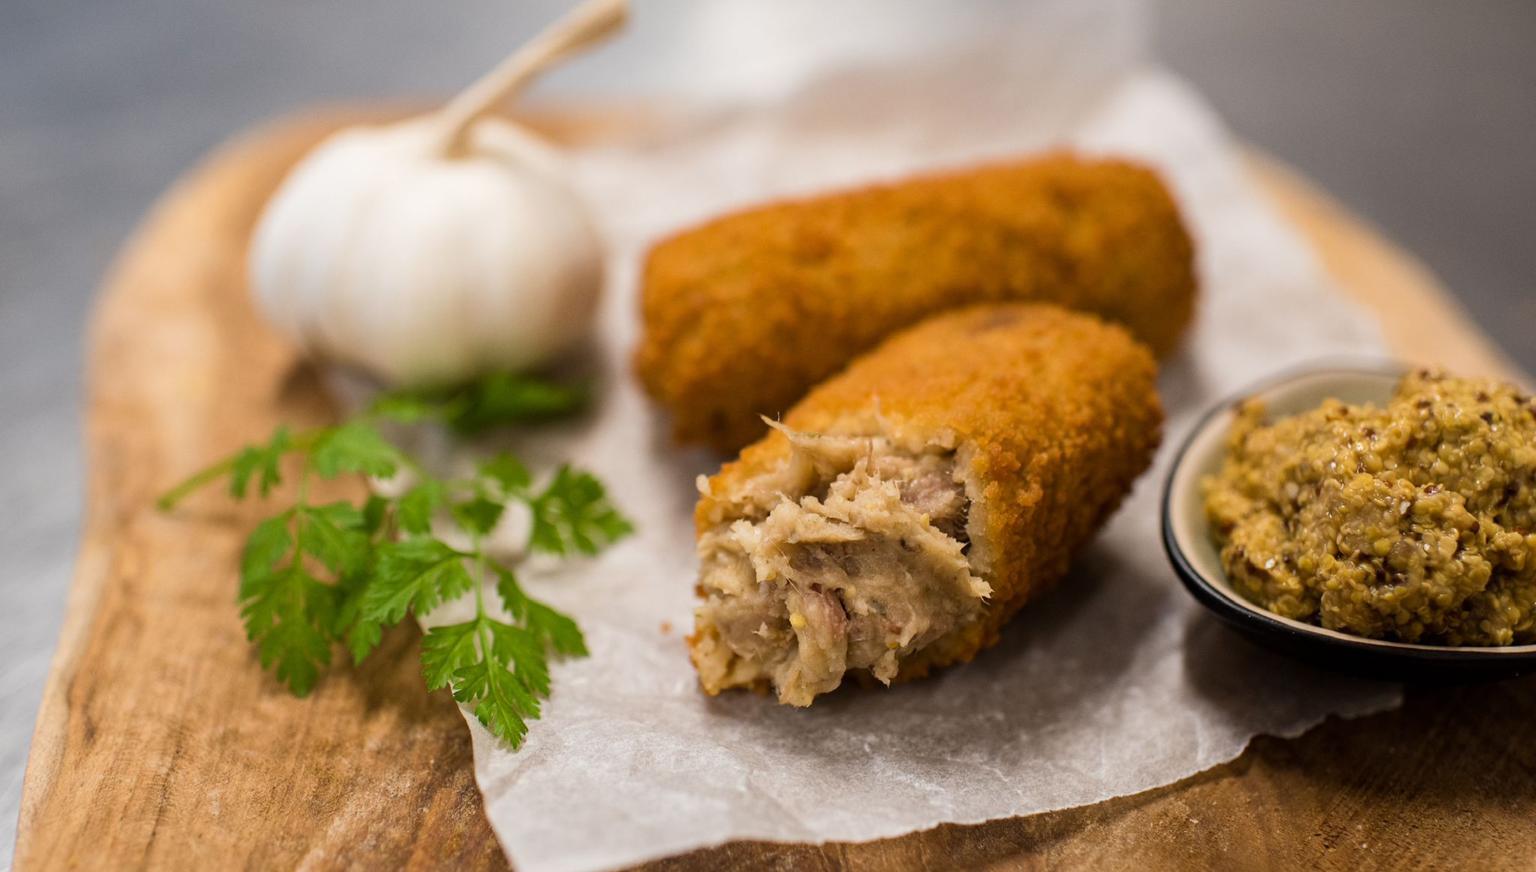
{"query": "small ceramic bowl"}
pixel 1187 539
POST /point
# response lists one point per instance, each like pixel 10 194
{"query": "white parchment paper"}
pixel 1113 684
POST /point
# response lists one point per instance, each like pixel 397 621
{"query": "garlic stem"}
pixel 585 25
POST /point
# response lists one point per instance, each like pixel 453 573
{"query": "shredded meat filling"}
pixel 863 568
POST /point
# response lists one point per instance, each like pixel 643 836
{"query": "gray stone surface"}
pixel 1418 113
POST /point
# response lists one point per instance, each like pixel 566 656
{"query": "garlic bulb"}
pixel 383 251
pixel 438 249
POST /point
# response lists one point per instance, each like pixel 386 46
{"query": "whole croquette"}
pixel 906 508
pixel 743 315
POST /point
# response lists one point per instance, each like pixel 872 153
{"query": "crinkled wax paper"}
pixel 1115 683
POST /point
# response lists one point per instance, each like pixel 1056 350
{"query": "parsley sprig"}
pixel 316 575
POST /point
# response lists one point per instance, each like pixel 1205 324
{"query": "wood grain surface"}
pixel 160 742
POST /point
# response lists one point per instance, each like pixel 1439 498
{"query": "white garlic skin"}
pixel 380 251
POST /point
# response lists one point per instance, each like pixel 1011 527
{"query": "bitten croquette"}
pixel 908 507
pixel 743 315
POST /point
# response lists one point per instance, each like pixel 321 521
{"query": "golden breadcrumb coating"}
pixel 1048 415
pixel 744 314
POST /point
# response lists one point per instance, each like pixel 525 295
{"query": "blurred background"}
pixel 1418 114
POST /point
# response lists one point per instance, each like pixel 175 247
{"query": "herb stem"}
pixel 480 573
pixel 170 498
pixel 210 474
pixel 303 498
pixel 482 629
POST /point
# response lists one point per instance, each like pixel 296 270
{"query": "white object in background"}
pixel 437 249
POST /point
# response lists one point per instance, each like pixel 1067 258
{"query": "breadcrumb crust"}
pixel 744 314
pixel 1053 415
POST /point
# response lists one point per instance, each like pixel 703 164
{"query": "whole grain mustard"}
pixel 1413 522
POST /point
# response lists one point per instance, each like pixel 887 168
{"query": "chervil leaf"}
pixel 295 641
pixel 413 576
pixel 513 398
pixel 375 513
pixel 446 650
pixel 501 398
pixel 549 625
pixel 335 535
pixel 524 650
pixel 316 575
pixel 503 699
pixel 505 398
pixel 354 447
pixel 262 462
pixel 498 700
pixel 416 508
pixel 408 406
pixel 477 516
pixel 507 472
pixel 512 597
pixel 362 636
pixel 265 550
pixel 557 629
pixel 573 514
pixel 288 612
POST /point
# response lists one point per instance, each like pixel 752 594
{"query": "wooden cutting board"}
pixel 161 743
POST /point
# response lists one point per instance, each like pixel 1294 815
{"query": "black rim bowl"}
pixel 1186 539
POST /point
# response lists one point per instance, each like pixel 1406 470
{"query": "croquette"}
pixel 745 314
pixel 905 509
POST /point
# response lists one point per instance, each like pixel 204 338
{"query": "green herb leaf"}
pixel 549 625
pixel 508 399
pixel 414 575
pixel 265 549
pixel 407 406
pixel 297 645
pixel 417 507
pixel 362 636
pixel 512 597
pixel 557 629
pixel 288 612
pixel 525 651
pixel 502 683
pixel 354 447
pixel 501 398
pixel 375 513
pixel 335 535
pixel 478 516
pixel 447 649
pixel 497 698
pixel 262 462
pixel 507 472
pixel 315 575
pixel 573 514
